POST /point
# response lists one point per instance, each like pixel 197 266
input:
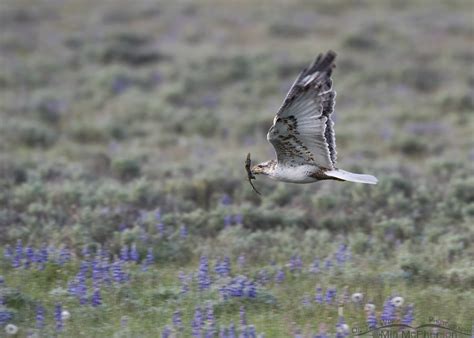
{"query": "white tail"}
pixel 351 177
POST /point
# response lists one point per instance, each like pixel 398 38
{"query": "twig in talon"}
pixel 249 173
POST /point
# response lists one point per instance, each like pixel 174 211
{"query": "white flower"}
pixel 397 301
pixel 11 329
pixel 343 328
pixel 369 307
pixel 65 315
pixel 357 297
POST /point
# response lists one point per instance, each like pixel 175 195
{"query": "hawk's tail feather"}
pixel 351 177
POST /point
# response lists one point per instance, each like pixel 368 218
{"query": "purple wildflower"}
pixel 96 299
pixel 388 312
pixel 133 256
pixel 160 227
pixel 183 232
pixel 306 301
pixel 118 274
pixel 197 323
pixel 204 279
pixel 342 329
pixel 408 317
pixel 5 315
pixel 227 221
pixel 280 276
pixel 263 277
pixel 58 317
pixel 226 200
pixel 124 254
pixel 29 256
pixel 330 295
pixel 238 219
pixel 341 254
pixel 148 259
pixel 371 320
pixel 177 322
pixel 319 295
pixel 211 320
pixel 39 316
pixel 232 332
pixel 328 264
pixel 166 333
pixel 64 256
pixel 16 262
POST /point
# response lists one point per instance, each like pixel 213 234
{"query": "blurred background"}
pixel 113 110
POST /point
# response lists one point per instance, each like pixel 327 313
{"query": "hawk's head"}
pixel 264 168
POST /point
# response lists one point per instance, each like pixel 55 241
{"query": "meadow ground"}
pixel 124 207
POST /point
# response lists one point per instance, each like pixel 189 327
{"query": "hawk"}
pixel 303 132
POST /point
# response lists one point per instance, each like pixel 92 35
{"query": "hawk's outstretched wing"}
pixel 302 130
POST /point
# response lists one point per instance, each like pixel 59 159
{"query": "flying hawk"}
pixel 302 132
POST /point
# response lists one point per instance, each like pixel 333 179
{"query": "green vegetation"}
pixel 113 111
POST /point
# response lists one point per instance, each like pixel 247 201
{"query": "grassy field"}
pixel 124 205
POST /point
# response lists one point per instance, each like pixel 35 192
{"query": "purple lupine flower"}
pixel 280 276
pixel 341 254
pixel 319 295
pixel 42 256
pixel 226 200
pixel 243 316
pixel 197 323
pixel 5 315
pixel 342 329
pixel 183 232
pixel 160 228
pixel 295 264
pixel 177 322
pixel 58 309
pixel 226 265
pixel 371 320
pixel 211 320
pixel 134 257
pixel 64 256
pixel 408 317
pixel 238 219
pixel 328 264
pixel 388 312
pixel 204 280
pixel 330 295
pixel 118 274
pixel 166 333
pixel 16 262
pixel 227 221
pixel 263 277
pixel 232 332
pixel 251 290
pixel 96 299
pixel 124 254
pixel 39 317
pixel 29 256
pixel 148 259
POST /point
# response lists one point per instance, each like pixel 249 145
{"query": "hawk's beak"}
pixel 256 170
